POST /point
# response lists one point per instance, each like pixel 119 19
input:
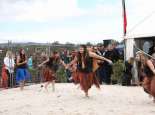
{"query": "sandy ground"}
pixel 68 100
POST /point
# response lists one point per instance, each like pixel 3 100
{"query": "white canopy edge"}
pixel 138 36
pixel 129 50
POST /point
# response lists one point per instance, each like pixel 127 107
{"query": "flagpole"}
pixel 124 26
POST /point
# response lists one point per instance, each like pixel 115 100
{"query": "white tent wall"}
pixel 129 50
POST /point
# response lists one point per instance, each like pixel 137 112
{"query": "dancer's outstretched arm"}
pixel 43 63
pixel 63 63
pixel 94 55
pixel 151 66
pixel 72 62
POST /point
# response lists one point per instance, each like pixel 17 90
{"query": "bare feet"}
pixel 46 88
pixel 150 96
pixel 86 94
pixel 53 89
pixel 41 87
pixel 154 100
pixel 53 85
pixel 78 86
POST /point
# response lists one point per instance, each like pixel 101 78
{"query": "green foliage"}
pixel 118 68
pixel 35 78
pixel 61 75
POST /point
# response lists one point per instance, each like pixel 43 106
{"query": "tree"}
pixel 89 44
pixel 56 43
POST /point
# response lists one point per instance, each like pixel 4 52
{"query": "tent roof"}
pixel 145 29
pixel 140 18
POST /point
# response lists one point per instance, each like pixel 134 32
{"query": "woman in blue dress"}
pixel 21 73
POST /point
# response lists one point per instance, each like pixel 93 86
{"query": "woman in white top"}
pixel 9 66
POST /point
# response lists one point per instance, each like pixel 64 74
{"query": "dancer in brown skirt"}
pixel 147 73
pixel 52 64
pixel 85 74
pixel 149 79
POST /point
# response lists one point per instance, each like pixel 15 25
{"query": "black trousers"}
pixel 126 79
pixel 108 72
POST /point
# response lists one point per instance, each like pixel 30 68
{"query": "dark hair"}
pixel 85 54
pixel 22 56
pixel 53 58
pixel 55 52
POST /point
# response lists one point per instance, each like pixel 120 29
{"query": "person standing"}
pixel 21 74
pixel 9 68
pixel 30 62
pixel 67 58
pixel 106 66
pixel 126 80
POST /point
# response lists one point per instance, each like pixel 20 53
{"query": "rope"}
pixel 144 52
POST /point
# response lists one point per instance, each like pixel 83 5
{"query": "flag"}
pixel 124 17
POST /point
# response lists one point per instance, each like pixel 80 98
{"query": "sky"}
pixel 75 21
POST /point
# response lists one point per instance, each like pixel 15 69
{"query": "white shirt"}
pixel 9 64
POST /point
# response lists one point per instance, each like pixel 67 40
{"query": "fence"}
pixel 37 51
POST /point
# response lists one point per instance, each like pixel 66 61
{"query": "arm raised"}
pixel 63 63
pixel 43 63
pixel 151 66
pixel 72 62
pixel 94 55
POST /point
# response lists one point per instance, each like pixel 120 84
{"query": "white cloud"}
pixel 92 33
pixel 39 10
pixel 95 31
pixel 46 10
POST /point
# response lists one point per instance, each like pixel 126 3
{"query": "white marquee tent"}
pixel 141 24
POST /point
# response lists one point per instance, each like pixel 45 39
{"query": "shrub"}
pixel 118 69
pixel 61 75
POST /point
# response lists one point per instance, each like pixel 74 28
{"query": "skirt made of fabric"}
pixel 146 84
pixel 4 79
pixel 149 85
pixel 21 75
pixel 75 77
pixel 86 80
pixel 49 74
pixel 152 88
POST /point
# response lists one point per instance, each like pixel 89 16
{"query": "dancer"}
pixel 42 70
pixel 149 79
pixel 73 68
pixel 148 74
pixel 52 64
pixel 85 74
pixel 21 74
